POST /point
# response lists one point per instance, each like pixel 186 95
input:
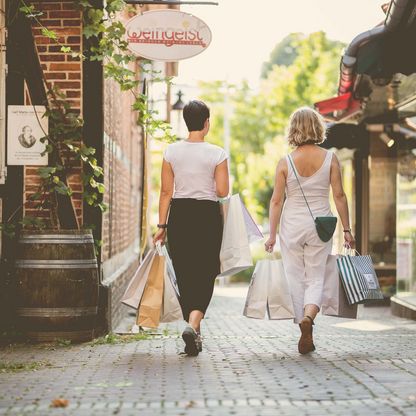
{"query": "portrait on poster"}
pixel 26 127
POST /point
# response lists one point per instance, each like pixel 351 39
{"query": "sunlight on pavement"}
pixel 364 325
pixel 235 291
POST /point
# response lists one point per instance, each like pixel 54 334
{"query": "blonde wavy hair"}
pixel 306 125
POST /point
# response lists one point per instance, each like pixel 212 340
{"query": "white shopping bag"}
pixel 235 254
pixel 170 270
pixel 269 291
pixel 334 299
pixel 135 288
pixel 279 299
pixel 171 309
pixel 256 301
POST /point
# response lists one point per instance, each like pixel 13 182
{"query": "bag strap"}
pixel 300 186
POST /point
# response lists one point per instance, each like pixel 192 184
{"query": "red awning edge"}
pixel 339 103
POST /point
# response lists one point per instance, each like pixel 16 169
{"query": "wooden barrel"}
pixel 57 285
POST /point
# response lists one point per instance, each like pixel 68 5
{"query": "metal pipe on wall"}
pixel 3 71
pixel 348 61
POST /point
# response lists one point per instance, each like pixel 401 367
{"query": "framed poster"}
pixel 25 128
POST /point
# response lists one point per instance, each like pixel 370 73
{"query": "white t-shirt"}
pixel 193 165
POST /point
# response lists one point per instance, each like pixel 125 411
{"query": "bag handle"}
pixel 348 250
pixel 158 247
pixel 300 186
pixel 271 255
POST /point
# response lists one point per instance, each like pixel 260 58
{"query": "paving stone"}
pixel 247 367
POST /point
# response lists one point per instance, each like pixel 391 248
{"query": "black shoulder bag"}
pixel 325 226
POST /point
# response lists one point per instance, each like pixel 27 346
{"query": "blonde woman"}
pixel 304 254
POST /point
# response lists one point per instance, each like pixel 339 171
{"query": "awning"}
pixel 342 102
pixel 345 103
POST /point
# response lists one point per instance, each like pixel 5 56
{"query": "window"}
pixel 406 217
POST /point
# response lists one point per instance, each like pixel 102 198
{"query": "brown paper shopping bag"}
pixel 151 303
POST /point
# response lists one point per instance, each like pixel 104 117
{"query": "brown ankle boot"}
pixel 305 344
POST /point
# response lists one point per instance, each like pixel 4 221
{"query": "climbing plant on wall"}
pixel 104 33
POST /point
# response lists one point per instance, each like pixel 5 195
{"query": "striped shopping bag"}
pixel 359 278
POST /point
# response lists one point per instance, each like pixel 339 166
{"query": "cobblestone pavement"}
pixel 248 367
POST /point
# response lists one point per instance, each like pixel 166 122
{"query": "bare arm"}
pixel 276 203
pixel 340 199
pixel 222 180
pixel 166 193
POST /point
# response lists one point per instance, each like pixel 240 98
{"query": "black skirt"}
pixel 194 241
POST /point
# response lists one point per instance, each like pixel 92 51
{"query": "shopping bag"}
pixel 170 270
pixel 256 301
pixel 235 254
pixel 253 231
pixel 359 278
pixel 279 299
pixel 171 309
pixel 148 314
pixel 135 288
pixel 334 299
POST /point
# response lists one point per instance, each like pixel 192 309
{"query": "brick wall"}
pixel 60 70
pixel 123 172
pixel 111 311
pixel 123 160
pixel 123 194
pixel 123 164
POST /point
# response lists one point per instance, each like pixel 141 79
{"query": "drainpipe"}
pixel 3 71
pixel 393 18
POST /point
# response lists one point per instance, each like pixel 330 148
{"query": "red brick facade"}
pixel 60 70
pixel 123 172
pixel 122 145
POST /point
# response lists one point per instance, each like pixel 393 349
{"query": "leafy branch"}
pixel 64 140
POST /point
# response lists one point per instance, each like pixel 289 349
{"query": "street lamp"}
pixel 178 107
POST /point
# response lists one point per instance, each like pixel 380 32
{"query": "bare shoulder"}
pixel 335 165
pixel 282 166
pixel 334 160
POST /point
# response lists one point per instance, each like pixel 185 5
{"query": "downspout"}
pixel 349 59
pixel 3 72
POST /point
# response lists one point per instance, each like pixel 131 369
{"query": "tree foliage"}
pixel 259 118
pixel 283 54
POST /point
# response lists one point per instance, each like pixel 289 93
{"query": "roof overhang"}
pixel 378 72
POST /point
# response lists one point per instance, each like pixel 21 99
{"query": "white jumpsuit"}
pixel 304 254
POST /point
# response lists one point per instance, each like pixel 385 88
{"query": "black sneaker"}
pixel 190 338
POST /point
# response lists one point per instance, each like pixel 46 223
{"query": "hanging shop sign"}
pixel 25 128
pixel 167 35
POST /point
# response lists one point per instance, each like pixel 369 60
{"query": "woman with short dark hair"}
pixel 194 175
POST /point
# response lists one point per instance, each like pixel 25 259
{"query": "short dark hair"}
pixel 195 113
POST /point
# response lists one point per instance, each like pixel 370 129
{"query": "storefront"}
pixel 404 302
pixel 372 130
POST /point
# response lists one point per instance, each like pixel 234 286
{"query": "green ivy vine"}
pixel 64 140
